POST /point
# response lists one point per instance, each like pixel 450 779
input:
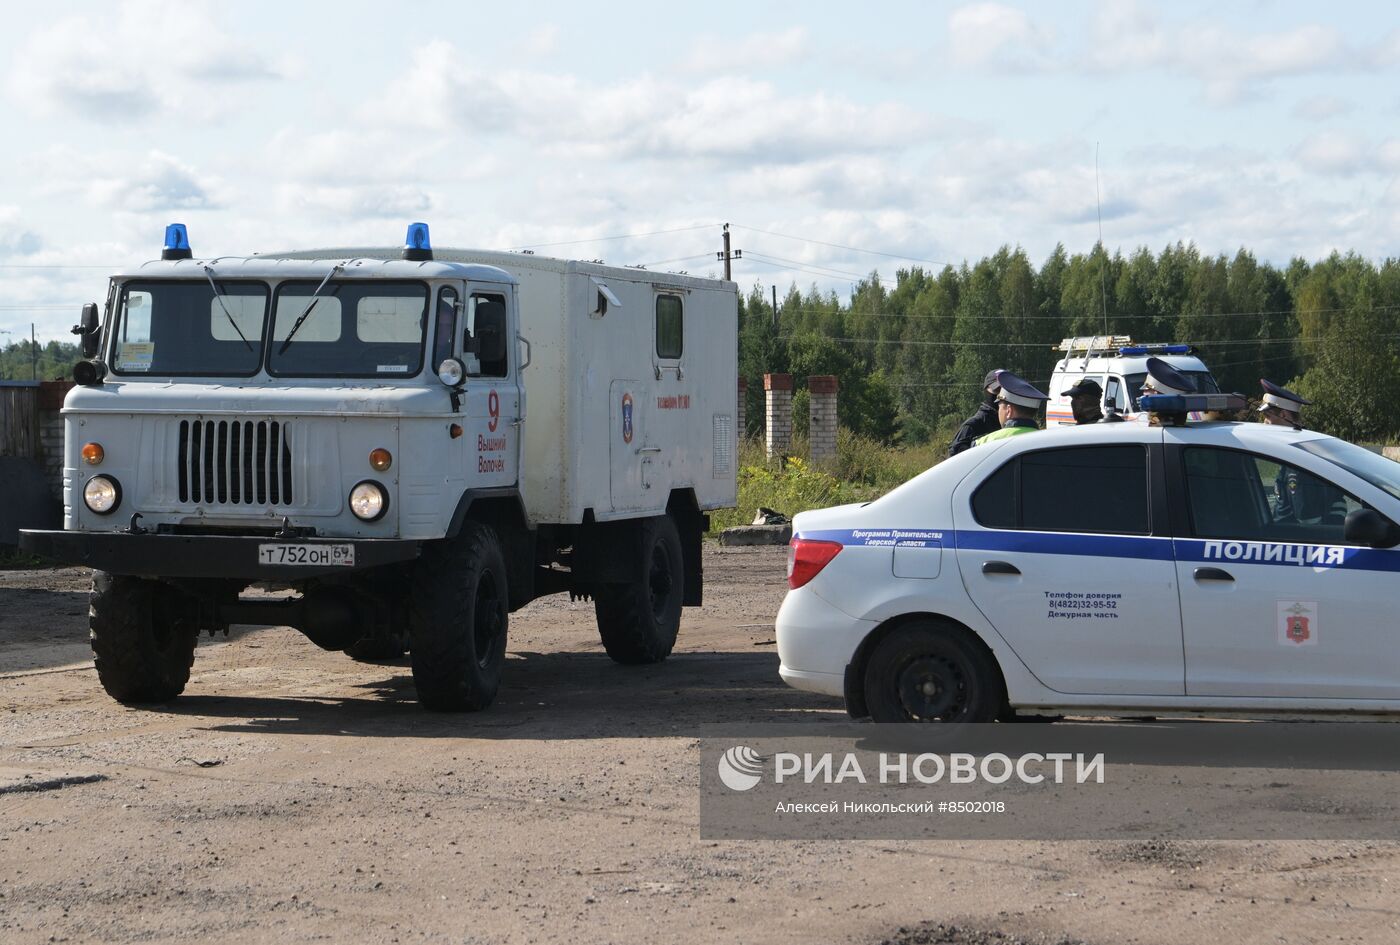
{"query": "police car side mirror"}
pixel 1369 527
pixel 87 328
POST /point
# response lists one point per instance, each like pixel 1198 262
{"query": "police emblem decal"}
pixel 1297 623
pixel 627 417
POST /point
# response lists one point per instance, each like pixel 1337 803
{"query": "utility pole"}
pixel 725 255
pixel 775 308
pixel 33 354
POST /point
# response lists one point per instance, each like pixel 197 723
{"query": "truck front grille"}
pixel 235 462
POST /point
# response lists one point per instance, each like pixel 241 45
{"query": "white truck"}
pixel 1119 367
pixel 413 444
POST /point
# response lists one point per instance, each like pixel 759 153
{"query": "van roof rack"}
pixel 1119 344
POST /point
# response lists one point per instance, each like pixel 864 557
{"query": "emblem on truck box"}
pixel 627 418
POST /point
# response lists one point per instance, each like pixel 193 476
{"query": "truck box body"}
pixel 588 369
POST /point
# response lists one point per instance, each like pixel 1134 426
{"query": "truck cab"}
pixel 350 429
pixel 1119 367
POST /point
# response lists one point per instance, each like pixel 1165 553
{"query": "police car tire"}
pixel 633 631
pixel 141 650
pixel 952 657
pixel 458 618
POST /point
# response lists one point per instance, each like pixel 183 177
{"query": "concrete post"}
pixel 821 426
pixel 740 415
pixel 778 395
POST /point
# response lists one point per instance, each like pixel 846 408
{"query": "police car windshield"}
pixel 184 329
pixel 1205 384
pixel 1380 472
pixel 349 329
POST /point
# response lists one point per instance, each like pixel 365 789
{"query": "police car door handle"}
pixel 999 567
pixel 1213 574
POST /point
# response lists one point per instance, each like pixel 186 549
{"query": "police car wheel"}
pixel 927 672
pixel 458 617
pixel 143 638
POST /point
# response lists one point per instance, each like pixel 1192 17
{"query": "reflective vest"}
pixel 1013 429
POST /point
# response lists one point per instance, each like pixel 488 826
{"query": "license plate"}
pixel 307 555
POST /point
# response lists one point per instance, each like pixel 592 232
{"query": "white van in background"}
pixel 1119 367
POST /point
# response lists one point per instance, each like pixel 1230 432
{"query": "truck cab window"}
pixel 444 326
pixel 486 334
pixel 670 327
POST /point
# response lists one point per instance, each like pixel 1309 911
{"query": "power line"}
pixel 954 316
pixel 854 249
pixel 779 262
pixel 1046 346
pixel 624 236
pixel 662 262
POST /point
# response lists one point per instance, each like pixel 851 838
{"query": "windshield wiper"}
pixel 315 297
pixel 209 274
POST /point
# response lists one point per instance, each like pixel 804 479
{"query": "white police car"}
pixel 1108 568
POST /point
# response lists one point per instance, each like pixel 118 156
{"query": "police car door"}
pixel 1064 551
pixel 1274 602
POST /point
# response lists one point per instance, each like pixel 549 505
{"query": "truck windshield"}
pixel 352 329
pixel 1380 472
pixel 181 328
pixel 1205 384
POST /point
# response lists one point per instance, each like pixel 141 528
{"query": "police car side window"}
pixel 1077 489
pixel 1248 497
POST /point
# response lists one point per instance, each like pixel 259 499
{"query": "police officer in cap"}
pixel 983 420
pixel 1297 497
pixel 1017 404
pixel 1281 407
pixel 1084 401
pixel 1162 378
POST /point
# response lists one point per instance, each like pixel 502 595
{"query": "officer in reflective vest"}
pixel 983 421
pixel 1017 404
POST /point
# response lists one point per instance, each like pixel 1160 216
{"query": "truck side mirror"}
pixel 88 328
pixel 1369 527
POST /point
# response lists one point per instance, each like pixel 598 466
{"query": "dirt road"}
pixel 294 795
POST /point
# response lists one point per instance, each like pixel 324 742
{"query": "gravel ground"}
pixel 294 795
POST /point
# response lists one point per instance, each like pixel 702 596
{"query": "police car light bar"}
pixel 1190 403
pixel 1137 350
pixel 1094 343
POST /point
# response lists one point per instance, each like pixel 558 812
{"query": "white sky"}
pixel 928 130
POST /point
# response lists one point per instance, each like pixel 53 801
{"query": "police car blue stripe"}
pixel 1151 548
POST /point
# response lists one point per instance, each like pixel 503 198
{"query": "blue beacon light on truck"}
pixel 1137 350
pixel 177 242
pixel 417 247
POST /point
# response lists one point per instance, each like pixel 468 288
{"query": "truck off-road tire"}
pixel 639 620
pixel 143 638
pixel 929 672
pixel 458 614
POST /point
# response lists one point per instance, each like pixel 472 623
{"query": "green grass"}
pixel 863 470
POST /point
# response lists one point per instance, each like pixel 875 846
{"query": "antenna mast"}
pixel 1103 263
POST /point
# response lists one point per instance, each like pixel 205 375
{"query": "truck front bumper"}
pixel 203 556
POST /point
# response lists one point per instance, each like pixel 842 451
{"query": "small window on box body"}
pixel 670 327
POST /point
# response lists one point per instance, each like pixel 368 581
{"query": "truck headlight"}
pixel 452 372
pixel 369 501
pixel 102 494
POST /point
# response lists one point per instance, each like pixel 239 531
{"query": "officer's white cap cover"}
pixel 1280 397
pixel 1022 393
pixel 1165 379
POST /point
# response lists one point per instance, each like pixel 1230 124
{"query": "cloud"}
pixel 158 182
pixel 1344 154
pixel 123 65
pixel 1322 108
pixel 990 34
pixel 756 52
pixel 725 119
pixel 15 238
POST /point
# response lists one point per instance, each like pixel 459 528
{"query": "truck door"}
pixel 1274 603
pixel 632 451
pixel 493 404
pixel 1064 552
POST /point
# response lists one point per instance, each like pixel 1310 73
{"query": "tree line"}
pixel 23 361
pixel 910 358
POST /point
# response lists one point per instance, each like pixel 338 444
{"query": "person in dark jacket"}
pixel 984 418
pixel 1084 402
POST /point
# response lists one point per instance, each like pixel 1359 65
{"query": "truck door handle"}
pixel 648 449
pixel 1213 574
pixel 999 567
